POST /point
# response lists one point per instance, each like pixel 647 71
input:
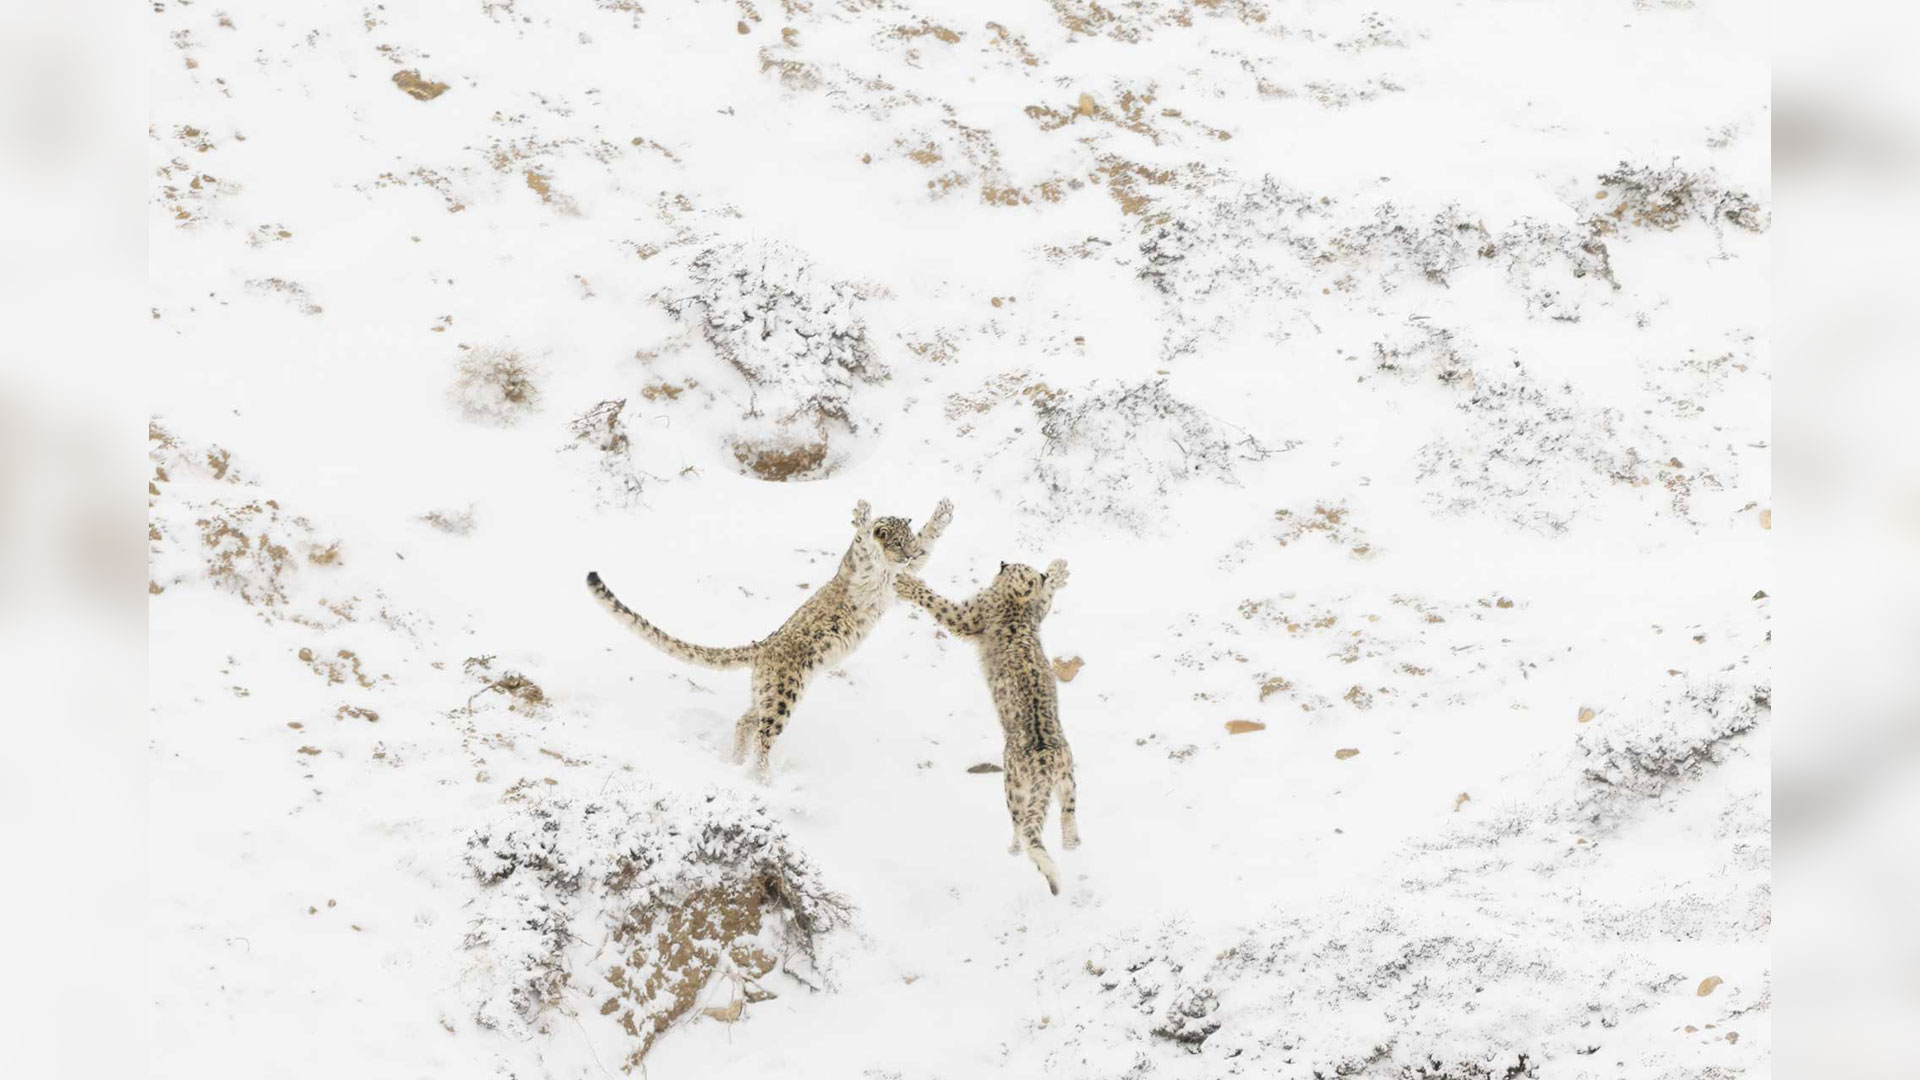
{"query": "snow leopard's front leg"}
pixel 1054 580
pixel 962 619
pixel 923 540
pixel 865 553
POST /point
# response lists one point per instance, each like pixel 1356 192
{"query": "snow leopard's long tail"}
pixel 739 656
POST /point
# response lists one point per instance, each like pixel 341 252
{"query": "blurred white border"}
pixel 1847 749
pixel 72 623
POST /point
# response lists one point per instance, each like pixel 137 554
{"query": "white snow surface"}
pixel 1394 376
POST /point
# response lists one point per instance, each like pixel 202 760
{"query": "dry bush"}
pixel 523 694
pixel 602 430
pixel 1668 740
pixel 680 890
pixel 800 342
pixel 494 386
pixel 1117 451
pixel 1666 198
pixel 202 523
pixel 452 522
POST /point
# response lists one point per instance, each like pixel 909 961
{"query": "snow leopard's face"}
pixel 895 537
pixel 1019 579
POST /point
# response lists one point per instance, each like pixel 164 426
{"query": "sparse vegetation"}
pixel 1115 451
pixel 523 694
pixel 800 343
pixel 1665 198
pixel 494 385
pixel 603 430
pixel 686 891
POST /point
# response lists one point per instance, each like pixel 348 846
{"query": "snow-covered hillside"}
pixel 1394 378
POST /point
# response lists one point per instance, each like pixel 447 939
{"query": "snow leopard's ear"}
pixel 1003 568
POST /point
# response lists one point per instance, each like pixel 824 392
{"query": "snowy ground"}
pixel 1394 378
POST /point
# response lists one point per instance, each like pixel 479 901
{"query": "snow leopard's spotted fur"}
pixel 1004 621
pixel 832 622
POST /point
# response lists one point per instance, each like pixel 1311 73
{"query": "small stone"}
pixel 1241 727
pixel 985 767
pixel 1065 668
pixel 417 88
pixel 1707 985
pixel 1346 753
pixel 1586 714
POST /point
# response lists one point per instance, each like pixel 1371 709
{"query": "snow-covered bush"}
pixel 630 904
pixel 1670 739
pixel 799 340
pixel 1370 989
pixel 494 386
pixel 602 431
pixel 207 521
pixel 1117 451
pixel 1664 198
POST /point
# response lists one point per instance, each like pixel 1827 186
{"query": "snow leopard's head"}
pixel 896 540
pixel 1019 580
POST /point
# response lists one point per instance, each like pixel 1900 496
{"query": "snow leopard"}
pixel 1003 619
pixel 828 626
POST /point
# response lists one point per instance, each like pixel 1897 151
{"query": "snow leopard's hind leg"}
pixel 1069 827
pixel 774 698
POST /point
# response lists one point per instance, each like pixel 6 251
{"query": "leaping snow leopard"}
pixel 1003 619
pixel 831 624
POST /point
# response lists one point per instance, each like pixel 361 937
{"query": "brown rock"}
pixel 1707 984
pixel 1241 727
pixel 1065 668
pixel 1346 753
pixel 417 88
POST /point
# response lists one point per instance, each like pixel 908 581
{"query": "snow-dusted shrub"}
pixel 1117 451
pixel 602 432
pixel 1672 738
pixel 629 904
pixel 1531 453
pixel 206 521
pixel 1398 245
pixel 800 342
pixel 1369 989
pixel 1664 198
pixel 494 386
